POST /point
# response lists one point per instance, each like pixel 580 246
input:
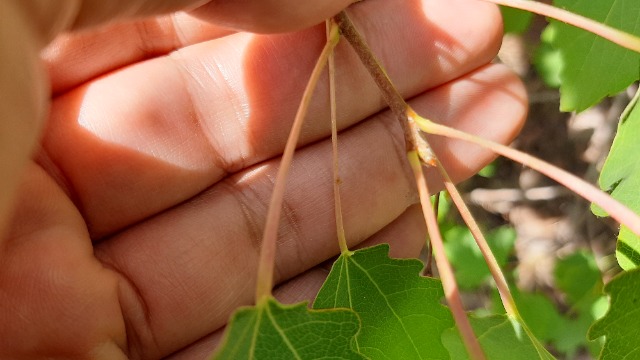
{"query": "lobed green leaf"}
pixel 594 67
pixel 401 311
pixel 620 324
pixel 620 177
pixel 579 278
pixel 499 337
pixel 471 270
pixel 272 331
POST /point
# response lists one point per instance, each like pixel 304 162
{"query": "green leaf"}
pixel 488 171
pixel 401 311
pixel 444 206
pixel 594 67
pixel 470 268
pixel 548 60
pixel 499 337
pixel 579 278
pixel 514 20
pixel 571 335
pixel 620 177
pixel 620 324
pixel 273 331
pixel 628 249
pixel 539 313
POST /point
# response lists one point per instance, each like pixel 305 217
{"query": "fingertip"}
pixel 474 26
pixel 269 16
pixel 490 102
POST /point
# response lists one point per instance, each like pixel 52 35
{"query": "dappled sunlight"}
pixel 101 143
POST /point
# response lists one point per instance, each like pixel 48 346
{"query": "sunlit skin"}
pixel 137 158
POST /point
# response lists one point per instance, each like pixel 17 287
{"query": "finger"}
pixel 77 57
pixel 52 17
pixel 406 236
pixel 22 102
pixel 252 15
pixel 193 265
pixel 490 103
pixel 282 15
pixel 165 130
pixel 56 299
pixel 31 25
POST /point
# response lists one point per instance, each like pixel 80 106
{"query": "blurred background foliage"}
pixel 555 252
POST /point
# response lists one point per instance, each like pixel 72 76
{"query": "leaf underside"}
pixel 370 307
pixel 272 331
pixel 401 311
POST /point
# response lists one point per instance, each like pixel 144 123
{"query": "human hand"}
pixel 133 230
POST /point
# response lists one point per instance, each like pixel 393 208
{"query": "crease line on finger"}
pixel 134 330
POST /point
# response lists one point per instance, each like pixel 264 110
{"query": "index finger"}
pixel 27 26
pixel 167 129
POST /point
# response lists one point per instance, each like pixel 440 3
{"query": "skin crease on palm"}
pixel 138 149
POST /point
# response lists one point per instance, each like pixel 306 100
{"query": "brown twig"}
pixel 412 135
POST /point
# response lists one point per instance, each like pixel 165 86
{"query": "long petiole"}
pixel 481 241
pixel 615 209
pixel 342 239
pixel 445 270
pixel 417 150
pixel 268 251
pixel 428 268
pixel 494 268
pixel 616 36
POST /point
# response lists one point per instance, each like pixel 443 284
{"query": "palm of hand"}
pixel 138 224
